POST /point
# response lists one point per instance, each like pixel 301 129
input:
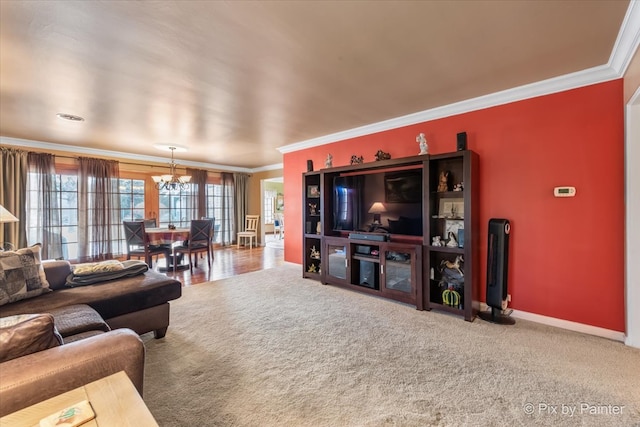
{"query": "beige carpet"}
pixel 272 349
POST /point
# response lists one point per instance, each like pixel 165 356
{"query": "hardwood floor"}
pixel 228 262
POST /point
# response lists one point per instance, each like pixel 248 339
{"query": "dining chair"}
pixel 138 243
pixel 214 229
pixel 250 230
pixel 199 241
pixel 150 223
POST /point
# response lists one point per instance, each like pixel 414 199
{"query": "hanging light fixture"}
pixel 172 181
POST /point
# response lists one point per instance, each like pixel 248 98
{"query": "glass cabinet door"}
pixel 336 264
pixel 398 271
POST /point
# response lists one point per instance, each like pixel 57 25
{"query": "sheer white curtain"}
pixel 45 226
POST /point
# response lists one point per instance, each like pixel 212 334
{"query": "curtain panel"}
pixel 46 226
pixel 242 199
pixel 227 222
pixel 198 201
pixel 14 169
pixel 99 224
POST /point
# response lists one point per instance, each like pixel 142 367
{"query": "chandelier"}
pixel 172 181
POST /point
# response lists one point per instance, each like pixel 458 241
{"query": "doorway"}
pixel 272 211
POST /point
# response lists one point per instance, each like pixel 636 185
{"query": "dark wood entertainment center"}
pixel 397 258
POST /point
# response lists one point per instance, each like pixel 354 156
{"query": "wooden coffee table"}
pixel 114 399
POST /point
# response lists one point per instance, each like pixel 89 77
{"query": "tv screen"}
pixel 347 193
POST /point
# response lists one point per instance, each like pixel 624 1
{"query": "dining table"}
pixel 168 236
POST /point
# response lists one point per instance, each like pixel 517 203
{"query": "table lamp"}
pixel 376 209
pixel 6 216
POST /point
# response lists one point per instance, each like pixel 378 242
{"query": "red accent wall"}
pixel 567 254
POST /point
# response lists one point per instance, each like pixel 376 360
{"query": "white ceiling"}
pixel 232 81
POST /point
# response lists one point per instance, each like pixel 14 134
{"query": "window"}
pixel 177 207
pixel 132 199
pixel 66 192
pixel 132 204
pixel 132 208
pixel 215 203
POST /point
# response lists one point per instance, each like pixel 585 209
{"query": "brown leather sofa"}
pixel 33 378
pixel 140 303
pixel 97 327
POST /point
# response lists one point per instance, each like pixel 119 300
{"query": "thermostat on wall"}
pixel 564 191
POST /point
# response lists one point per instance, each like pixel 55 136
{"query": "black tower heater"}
pixel 497 270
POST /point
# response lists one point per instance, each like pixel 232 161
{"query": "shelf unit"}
pixel 404 268
pixel 312 223
pixel 453 283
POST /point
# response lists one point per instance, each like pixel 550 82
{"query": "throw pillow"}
pixel 25 334
pixel 21 275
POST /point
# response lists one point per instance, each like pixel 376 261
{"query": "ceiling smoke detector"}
pixel 70 117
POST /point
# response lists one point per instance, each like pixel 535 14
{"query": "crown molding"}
pixel 623 50
pixel 627 41
pixel 117 154
pixel 268 168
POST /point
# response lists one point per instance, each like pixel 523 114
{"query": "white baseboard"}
pixel 566 324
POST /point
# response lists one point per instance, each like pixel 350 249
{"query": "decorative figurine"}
pixel 453 242
pixel 313 208
pixel 443 182
pixel 453 265
pixel 381 155
pixel 319 228
pixel 329 162
pixel 420 139
pixel 435 241
pixel 315 254
pixel 459 186
pixel 312 269
pixel 355 160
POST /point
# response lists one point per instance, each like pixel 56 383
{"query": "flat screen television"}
pixel 401 192
pixel 347 202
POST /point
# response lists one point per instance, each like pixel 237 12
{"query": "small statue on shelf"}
pixel 459 186
pixel 420 139
pixel 381 155
pixel 443 182
pixel 313 208
pixel 452 242
pixel 356 160
pixel 312 269
pixel 329 162
pixel 435 241
pixel 315 254
pixel 456 265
